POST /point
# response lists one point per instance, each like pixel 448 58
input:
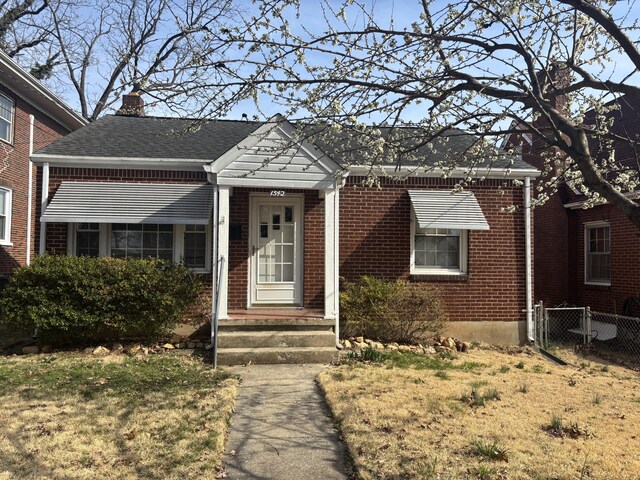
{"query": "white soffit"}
pixel 96 202
pixel 443 209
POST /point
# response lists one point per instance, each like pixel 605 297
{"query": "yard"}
pixel 118 417
pixel 486 415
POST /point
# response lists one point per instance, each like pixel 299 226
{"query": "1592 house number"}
pixel 277 193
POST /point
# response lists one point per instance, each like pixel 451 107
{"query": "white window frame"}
pixel 6 235
pixel 463 261
pixel 11 121
pixel 587 227
pixel 178 243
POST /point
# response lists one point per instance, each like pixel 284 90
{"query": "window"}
pixel 439 251
pixel 88 239
pixel 195 246
pixel 6 119
pixel 598 254
pixel 5 216
pixel 142 241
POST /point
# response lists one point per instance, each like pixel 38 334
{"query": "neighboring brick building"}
pixel 282 229
pixel 589 257
pixel 30 117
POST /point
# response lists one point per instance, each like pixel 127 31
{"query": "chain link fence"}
pixel 580 328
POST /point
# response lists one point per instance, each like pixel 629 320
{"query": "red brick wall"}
pixel 57 232
pixel 551 239
pixel 14 174
pixel 625 260
pixel 375 240
pixel 313 248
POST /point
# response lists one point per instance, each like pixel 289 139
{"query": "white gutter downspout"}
pixel 336 259
pixel 43 206
pixel 527 247
pixel 30 190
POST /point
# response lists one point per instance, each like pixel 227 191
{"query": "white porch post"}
pixel 223 248
pixel 331 246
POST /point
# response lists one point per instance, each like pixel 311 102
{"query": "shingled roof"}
pixel 122 137
pixel 119 136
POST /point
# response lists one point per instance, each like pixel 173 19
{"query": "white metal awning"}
pixel 100 202
pixel 443 209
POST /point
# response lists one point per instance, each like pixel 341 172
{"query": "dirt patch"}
pixel 490 419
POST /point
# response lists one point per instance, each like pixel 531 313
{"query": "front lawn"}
pixel 487 415
pixel 117 417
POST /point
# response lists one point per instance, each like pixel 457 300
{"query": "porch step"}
pixel 242 356
pixel 279 324
pixel 276 339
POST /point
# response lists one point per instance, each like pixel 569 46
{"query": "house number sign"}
pixel 277 193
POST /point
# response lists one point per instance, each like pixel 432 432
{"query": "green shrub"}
pixel 72 300
pixel 391 311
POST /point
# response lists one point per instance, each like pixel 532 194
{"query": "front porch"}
pixel 275 250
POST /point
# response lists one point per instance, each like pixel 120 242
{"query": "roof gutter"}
pixel 437 172
pixel 119 162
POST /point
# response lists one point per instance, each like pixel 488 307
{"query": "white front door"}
pixel 276 250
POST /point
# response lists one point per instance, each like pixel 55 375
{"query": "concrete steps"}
pixel 274 341
pixel 299 355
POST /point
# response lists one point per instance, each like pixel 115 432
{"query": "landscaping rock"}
pixel 144 350
pixel 449 343
pixel 391 347
pixel 88 350
pixel 133 349
pixel 347 344
pixel 429 350
pixel 117 348
pixel 168 346
pixel 200 345
pixel 360 345
pixel 46 349
pixel 377 345
pixel 191 345
pixel 30 350
pixel 359 339
pixel 465 347
pixel 404 348
pixel 100 350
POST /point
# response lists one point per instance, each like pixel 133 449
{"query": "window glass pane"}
pixel 598 261
pixel 3 221
pixel 142 241
pixel 2 202
pixel 195 244
pixel 6 107
pixel 437 248
pixel 150 240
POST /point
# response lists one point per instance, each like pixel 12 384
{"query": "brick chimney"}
pixel 132 103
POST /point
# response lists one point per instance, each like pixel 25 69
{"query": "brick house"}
pixel 31 117
pixel 281 230
pixel 589 256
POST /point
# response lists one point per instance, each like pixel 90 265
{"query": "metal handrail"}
pixel 216 314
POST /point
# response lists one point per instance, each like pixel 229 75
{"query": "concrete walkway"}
pixel 281 428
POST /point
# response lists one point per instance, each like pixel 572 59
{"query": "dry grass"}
pixel 69 417
pixel 401 420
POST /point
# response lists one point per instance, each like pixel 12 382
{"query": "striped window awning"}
pixel 443 209
pixel 100 202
